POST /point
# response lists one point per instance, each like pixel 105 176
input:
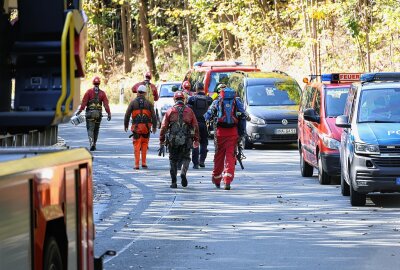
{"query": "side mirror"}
pixel 311 115
pixel 342 121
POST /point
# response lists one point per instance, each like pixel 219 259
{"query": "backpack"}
pixel 226 110
pixel 200 106
pixel 179 130
pixel 141 121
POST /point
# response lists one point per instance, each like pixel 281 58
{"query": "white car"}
pixel 166 99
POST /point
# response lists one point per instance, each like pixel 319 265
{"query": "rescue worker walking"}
pixel 225 112
pixel 199 103
pixel 143 121
pixel 94 99
pixel 151 89
pixel 179 131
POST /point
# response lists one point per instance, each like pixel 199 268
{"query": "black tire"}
pixel 357 198
pixel 306 169
pixel 323 177
pixel 246 143
pixel 345 188
pixel 52 259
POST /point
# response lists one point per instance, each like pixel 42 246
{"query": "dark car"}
pixel 272 100
pixel 370 142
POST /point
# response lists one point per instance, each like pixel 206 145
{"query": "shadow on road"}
pixel 292 146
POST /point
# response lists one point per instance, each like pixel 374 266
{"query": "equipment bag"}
pixel 141 122
pixel 178 131
pixel 226 110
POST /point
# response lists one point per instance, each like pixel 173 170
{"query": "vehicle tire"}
pixel 323 177
pixel 306 169
pixel 246 143
pixel 357 198
pixel 345 188
pixel 52 259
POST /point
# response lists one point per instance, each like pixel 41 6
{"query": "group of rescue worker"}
pixel 183 130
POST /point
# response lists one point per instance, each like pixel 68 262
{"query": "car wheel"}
pixel 52 255
pixel 305 168
pixel 323 177
pixel 345 188
pixel 246 143
pixel 357 198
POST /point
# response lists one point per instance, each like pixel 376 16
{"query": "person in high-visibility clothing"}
pixel 143 122
pixel 151 89
pixel 94 100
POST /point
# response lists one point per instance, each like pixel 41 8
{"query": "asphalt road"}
pixel 272 218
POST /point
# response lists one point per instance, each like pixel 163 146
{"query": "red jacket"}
pixel 152 87
pixel 172 116
pixel 90 94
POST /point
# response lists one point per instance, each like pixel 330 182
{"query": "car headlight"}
pixel 257 121
pixel 369 149
pixel 330 142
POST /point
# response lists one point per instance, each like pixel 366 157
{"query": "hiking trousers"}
pixel 140 146
pixel 224 159
pixel 199 154
pixel 178 155
pixel 93 128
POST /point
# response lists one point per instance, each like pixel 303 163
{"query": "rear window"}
pixel 166 90
pixel 278 94
pixel 216 78
pixel 335 100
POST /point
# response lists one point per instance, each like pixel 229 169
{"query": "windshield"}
pixel 166 90
pixel 335 99
pixel 216 78
pixel 379 105
pixel 279 94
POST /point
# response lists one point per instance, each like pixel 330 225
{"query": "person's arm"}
pixel 211 110
pixel 128 116
pixel 85 100
pixel 153 117
pixel 195 125
pixel 164 126
pixel 155 92
pixel 105 103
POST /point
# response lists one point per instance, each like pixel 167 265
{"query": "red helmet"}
pixel 96 80
pixel 179 95
pixel 147 75
pixel 186 85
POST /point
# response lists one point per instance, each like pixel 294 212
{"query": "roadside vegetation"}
pixel 300 37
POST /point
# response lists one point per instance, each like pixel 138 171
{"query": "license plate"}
pixel 285 131
pixel 398 181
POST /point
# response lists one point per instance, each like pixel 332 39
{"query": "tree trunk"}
pixel 125 39
pixel 181 40
pixel 146 39
pixel 189 36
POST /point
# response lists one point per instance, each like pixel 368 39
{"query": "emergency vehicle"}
pixel 211 73
pixel 318 137
pixel 370 142
pixel 46 203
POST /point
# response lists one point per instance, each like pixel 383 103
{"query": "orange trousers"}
pixel 140 145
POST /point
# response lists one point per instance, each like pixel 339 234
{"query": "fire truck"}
pixel 46 204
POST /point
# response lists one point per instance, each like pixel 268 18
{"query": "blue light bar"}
pixel 326 77
pixel 380 77
pixel 198 64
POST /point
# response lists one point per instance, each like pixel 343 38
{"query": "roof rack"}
pixel 280 72
pixel 381 77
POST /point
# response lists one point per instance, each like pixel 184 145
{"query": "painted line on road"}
pixel 166 212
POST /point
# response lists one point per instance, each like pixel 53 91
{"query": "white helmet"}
pixel 142 89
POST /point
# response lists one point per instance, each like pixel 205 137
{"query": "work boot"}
pixel 184 181
pixel 173 185
pixel 145 167
pixel 227 186
pixel 196 166
pixel 202 165
pixel 217 185
pixel 92 148
pixel 173 182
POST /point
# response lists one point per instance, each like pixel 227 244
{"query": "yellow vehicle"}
pixel 46 204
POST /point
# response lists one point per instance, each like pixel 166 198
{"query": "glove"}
pixel 78 113
pixel 196 144
pixel 161 150
pixel 109 117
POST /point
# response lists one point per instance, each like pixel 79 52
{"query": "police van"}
pixel 370 142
